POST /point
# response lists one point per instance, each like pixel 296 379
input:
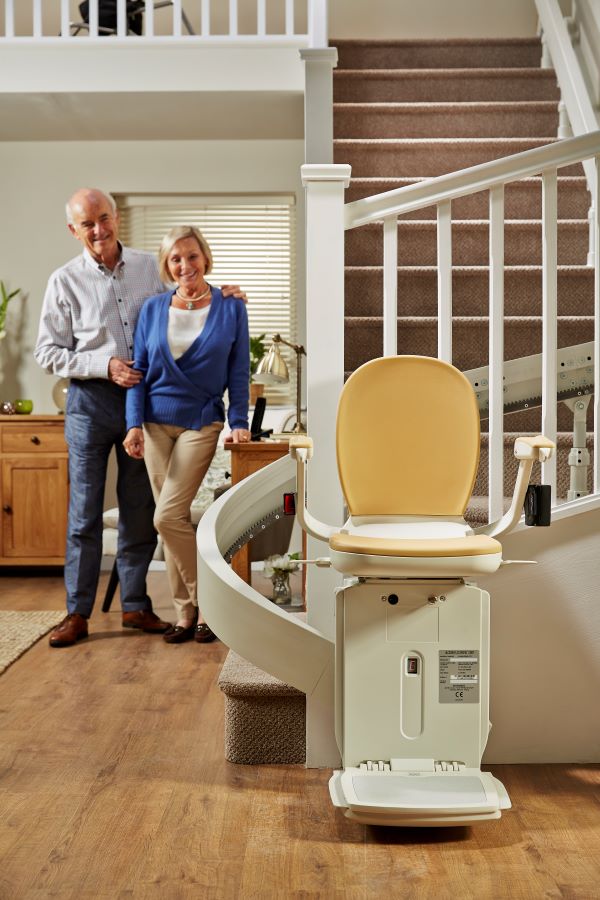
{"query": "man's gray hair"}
pixel 108 197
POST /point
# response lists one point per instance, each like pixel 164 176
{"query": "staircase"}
pixel 408 110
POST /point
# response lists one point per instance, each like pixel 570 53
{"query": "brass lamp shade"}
pixel 272 368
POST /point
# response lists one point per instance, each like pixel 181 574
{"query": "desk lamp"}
pixel 272 369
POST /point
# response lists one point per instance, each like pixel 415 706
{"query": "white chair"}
pixel 412 628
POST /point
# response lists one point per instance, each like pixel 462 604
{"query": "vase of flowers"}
pixel 279 569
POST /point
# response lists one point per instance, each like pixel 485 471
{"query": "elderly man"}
pixel 86 334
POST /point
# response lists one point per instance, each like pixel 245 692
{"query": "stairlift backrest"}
pixel 407 438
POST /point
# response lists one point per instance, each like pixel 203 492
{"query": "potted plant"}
pixel 257 351
pixel 4 301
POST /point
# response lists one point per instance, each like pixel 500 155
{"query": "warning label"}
pixel 459 676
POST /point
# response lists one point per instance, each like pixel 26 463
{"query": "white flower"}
pixel 277 564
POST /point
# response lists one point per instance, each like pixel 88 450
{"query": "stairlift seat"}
pixel 358 554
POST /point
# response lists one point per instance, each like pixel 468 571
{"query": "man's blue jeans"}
pixel 95 422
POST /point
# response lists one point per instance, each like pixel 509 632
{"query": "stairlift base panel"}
pixel 412 692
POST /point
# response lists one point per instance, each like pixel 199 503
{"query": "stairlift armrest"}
pixel 527 450
pixel 538 448
pixel 301 449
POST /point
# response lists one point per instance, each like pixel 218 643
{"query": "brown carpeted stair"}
pixel 409 110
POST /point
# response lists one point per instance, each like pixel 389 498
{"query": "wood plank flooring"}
pixel 113 785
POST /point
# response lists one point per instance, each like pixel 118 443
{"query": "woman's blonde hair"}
pixel 179 233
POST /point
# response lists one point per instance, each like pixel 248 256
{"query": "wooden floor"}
pixel 113 785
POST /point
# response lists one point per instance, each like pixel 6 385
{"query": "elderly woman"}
pixel 190 345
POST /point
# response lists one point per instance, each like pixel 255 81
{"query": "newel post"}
pixel 318 104
pixel 325 185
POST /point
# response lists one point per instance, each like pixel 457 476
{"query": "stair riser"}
pixel 364 339
pixel 433 55
pixel 440 121
pixel 443 86
pixel 522 200
pixel 417 244
pixel 417 292
pixel 426 159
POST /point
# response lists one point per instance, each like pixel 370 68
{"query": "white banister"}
pixel 205 18
pixel 37 18
pixel 93 19
pixel 261 18
pixel 318 103
pixel 390 286
pixel 289 17
pixel 121 18
pixel 233 18
pixel 549 321
pixel 9 18
pixel 177 18
pixel 317 23
pixel 149 18
pixel 64 18
pixel 496 356
pixel 444 279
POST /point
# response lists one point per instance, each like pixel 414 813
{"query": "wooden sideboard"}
pixel 34 490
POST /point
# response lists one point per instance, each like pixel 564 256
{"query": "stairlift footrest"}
pixel 418 798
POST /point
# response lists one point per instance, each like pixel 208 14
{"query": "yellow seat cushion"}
pixel 475 545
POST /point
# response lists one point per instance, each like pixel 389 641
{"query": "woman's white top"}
pixel 184 327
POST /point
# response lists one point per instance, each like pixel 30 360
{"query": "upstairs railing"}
pixel 326 215
pixel 278 23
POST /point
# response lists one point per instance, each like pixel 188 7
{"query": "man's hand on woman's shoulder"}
pixel 234 290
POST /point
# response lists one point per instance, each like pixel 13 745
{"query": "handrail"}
pixel 475 178
pixel 198 31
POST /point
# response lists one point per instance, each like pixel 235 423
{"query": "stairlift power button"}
pixel 392 599
pixel 412 665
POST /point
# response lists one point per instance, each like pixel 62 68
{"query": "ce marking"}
pixel 459 694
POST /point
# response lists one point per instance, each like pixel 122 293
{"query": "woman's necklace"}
pixel 190 302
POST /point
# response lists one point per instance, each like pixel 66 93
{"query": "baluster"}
pixel 317 23
pixel 176 18
pixel 149 18
pixel 496 356
pixel 261 18
pixel 205 20
pixel 121 18
pixel 65 30
pixel 9 19
pixel 596 229
pixel 233 18
pixel 549 311
pixel 37 18
pixel 289 17
pixel 390 286
pixel 93 22
pixel 444 279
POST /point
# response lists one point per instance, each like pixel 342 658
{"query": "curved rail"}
pixel 275 641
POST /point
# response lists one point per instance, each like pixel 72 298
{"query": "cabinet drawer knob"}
pixel 35 439
pixel 7 508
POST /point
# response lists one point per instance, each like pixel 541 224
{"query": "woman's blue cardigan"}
pixel 188 392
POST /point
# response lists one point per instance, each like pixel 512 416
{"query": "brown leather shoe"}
pixel 73 628
pixel 146 620
pixel 177 634
pixel 204 635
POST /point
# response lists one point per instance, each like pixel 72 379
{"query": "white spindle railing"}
pixel 191 20
pixel 441 191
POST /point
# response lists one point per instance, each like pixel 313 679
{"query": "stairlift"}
pixel 412 627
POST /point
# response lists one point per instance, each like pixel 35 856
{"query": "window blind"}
pixel 253 241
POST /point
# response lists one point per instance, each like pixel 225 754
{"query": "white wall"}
pixel 545 649
pixel 37 178
pixel 431 18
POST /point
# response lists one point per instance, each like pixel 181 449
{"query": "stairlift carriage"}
pixel 412 627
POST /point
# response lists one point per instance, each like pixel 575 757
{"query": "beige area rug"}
pixel 20 630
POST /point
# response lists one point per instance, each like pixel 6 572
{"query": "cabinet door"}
pixel 34 507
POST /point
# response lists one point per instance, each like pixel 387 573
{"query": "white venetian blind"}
pixel 253 243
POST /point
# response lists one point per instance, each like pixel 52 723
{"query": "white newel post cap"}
pixel 333 172
pixel 320 55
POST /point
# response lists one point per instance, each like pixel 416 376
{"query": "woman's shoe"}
pixel 177 634
pixel 203 634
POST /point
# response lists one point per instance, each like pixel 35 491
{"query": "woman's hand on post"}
pixel 238 436
pixel 134 443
